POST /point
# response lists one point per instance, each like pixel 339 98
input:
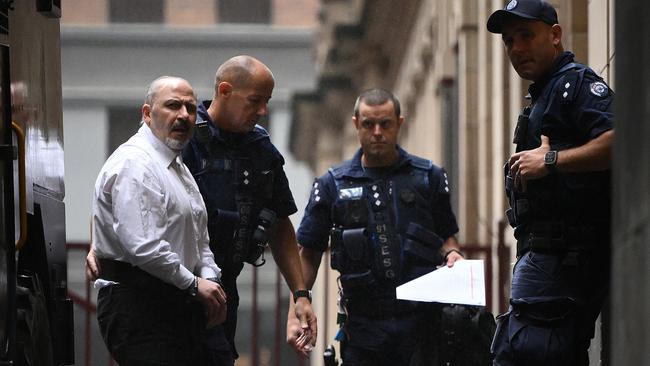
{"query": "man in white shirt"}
pixel 159 281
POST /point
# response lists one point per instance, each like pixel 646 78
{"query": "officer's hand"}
pixel 452 257
pixel 92 266
pixel 214 300
pixel 302 329
pixel 529 164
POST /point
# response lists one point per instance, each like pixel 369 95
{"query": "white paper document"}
pixel 464 283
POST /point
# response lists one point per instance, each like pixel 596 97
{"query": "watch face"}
pixel 550 158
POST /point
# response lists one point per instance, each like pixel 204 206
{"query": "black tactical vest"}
pixel 237 189
pixel 383 233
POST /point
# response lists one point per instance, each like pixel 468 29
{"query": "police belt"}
pixel 381 307
pixel 132 276
pixel 558 238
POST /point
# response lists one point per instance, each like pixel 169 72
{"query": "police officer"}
pixel 241 178
pixel 388 219
pixel 558 183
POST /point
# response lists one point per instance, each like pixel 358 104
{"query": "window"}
pixel 244 11
pixel 141 11
pixel 123 122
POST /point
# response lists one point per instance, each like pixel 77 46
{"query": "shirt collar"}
pixel 161 151
pixel 356 169
pixel 537 87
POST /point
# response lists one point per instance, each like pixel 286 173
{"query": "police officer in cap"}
pixel 387 218
pixel 558 184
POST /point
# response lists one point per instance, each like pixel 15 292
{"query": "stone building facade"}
pixel 459 94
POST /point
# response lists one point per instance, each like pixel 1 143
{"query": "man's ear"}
pixel 556 31
pixel 400 121
pixel 224 89
pixel 355 121
pixel 146 114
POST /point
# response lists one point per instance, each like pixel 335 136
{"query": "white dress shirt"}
pixel 147 211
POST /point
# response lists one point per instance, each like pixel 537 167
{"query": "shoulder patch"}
pixel 599 89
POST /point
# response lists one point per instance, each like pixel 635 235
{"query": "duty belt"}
pixel 380 308
pixel 557 238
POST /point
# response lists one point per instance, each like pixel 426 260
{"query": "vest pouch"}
pixel 354 242
pixel 356 285
pixel 420 254
pixel 424 235
pixel 337 256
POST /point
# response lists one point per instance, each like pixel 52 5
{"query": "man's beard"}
pixel 175 144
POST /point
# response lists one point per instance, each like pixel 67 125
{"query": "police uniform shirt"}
pixel 265 157
pixel 147 211
pixel 576 107
pixel 580 106
pixel 314 229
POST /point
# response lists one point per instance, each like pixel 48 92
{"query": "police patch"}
pixel 599 89
pixel 511 5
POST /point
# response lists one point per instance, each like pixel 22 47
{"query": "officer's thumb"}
pixel 546 142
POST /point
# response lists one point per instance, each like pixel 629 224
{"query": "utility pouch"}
pixel 543 310
pixel 357 280
pixel 423 235
pixel 337 257
pixel 354 241
pixel 521 131
pixel 418 251
pixel 522 128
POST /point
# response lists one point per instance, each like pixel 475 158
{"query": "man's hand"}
pixel 529 164
pixel 452 257
pixel 92 266
pixel 302 329
pixel 214 300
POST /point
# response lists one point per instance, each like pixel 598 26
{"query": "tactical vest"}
pixel 556 198
pixel 237 191
pixel 383 230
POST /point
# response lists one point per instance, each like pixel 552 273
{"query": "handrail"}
pixel 22 190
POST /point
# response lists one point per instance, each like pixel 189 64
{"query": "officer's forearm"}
pixel 285 253
pixel 596 155
pixel 310 261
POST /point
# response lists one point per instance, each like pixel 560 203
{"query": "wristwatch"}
pixel 302 293
pixel 550 161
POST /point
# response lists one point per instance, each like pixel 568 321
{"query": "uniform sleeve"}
pixel 443 216
pixel 580 109
pixel 140 218
pixel 593 108
pixel 282 200
pixel 316 223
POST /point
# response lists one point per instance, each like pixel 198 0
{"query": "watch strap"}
pixel 301 293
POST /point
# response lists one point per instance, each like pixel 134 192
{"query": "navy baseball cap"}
pixel 526 9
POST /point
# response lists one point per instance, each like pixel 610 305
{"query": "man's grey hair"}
pixel 377 96
pixel 155 86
